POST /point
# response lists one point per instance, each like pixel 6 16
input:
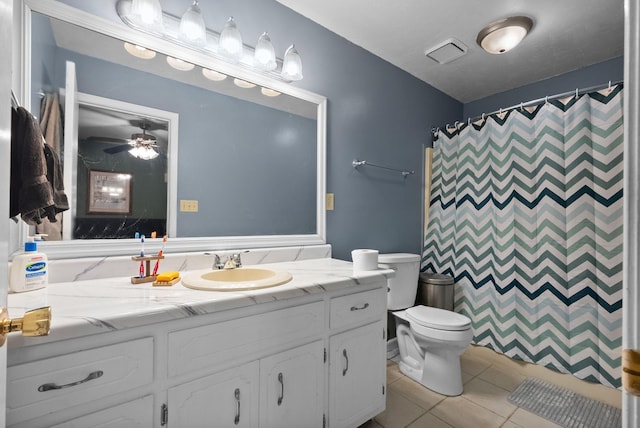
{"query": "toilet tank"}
pixel 402 288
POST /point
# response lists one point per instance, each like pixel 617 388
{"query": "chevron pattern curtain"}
pixel 526 215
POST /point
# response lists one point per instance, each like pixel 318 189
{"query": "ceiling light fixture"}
pixel 143 152
pixel 192 29
pixel 502 36
pixel 226 45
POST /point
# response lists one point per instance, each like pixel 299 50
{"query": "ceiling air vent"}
pixel 447 51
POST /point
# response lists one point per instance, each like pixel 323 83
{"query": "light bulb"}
pixel 292 64
pixel 147 13
pixel 192 28
pixel 213 75
pixel 264 57
pixel 179 64
pixel 230 44
pixel 139 51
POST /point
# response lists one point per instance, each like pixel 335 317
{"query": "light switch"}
pixel 189 206
pixel 329 201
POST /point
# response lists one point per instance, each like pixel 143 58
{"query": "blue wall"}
pixel 594 75
pixel 376 112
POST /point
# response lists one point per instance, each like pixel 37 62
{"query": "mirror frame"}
pixel 120 247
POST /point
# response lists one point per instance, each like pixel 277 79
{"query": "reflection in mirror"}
pixel 251 156
pixel 114 140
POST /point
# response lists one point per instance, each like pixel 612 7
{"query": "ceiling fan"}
pixel 140 145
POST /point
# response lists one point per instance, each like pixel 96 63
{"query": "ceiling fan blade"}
pixel 108 140
pixel 117 149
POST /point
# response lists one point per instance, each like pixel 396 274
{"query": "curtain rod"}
pixel 575 92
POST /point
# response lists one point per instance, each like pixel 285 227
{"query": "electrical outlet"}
pixel 188 206
pixel 329 201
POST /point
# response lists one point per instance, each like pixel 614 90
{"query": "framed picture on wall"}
pixel 109 192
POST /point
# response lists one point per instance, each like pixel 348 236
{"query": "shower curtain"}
pixel 526 215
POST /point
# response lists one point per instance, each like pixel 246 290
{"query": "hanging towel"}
pixel 31 193
pixel 51 126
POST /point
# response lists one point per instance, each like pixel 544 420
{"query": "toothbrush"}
pixel 141 255
pixel 155 268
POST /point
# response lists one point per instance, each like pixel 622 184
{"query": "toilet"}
pixel 430 340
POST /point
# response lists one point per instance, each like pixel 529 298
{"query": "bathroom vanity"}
pixel 309 353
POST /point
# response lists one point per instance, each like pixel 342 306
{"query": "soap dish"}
pixel 166 283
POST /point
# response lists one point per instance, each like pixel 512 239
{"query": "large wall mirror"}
pixel 249 149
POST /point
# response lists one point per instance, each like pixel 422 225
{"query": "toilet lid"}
pixel 438 318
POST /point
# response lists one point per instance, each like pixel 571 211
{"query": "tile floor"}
pixel 488 379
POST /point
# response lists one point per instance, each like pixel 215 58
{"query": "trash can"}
pixel 436 290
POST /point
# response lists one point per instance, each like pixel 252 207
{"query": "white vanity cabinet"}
pixel 314 360
pixel 357 384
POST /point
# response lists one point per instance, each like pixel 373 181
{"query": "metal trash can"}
pixel 436 290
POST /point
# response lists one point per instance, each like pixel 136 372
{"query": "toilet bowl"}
pixel 430 340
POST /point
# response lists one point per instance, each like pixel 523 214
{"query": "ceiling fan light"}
pixel 292 64
pixel 139 51
pixel 192 28
pixel 230 43
pixel 143 152
pixel 148 14
pixel 264 57
pixel 504 35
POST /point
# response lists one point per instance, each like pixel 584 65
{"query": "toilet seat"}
pixel 438 319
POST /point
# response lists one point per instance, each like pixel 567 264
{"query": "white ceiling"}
pixel 567 35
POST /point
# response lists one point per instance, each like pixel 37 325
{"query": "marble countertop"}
pixel 95 306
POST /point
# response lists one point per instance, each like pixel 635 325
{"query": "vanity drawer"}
pixel 201 348
pixel 357 308
pixel 46 386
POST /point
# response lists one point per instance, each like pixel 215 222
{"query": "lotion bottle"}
pixel 29 271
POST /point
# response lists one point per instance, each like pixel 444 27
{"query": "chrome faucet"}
pixel 233 260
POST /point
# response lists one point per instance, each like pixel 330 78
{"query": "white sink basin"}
pixel 239 279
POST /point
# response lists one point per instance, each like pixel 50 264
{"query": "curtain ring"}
pixel 469 122
pixel 609 84
pixel 521 106
pixel 546 99
pixel 576 93
pixel 483 117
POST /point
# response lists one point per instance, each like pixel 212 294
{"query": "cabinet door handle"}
pixel 236 421
pixel 281 380
pixel 346 359
pixel 50 386
pixel 359 308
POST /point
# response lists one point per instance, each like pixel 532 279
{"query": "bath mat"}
pixel 564 407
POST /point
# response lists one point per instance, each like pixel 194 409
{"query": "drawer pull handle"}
pixel 346 359
pixel 236 421
pixel 50 386
pixel 359 308
pixel 281 397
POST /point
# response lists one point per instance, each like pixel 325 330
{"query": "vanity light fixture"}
pixel 230 43
pixel 139 51
pixel 192 28
pixel 179 64
pixel 226 45
pixel 243 84
pixel 269 92
pixel 264 57
pixel 292 64
pixel 148 14
pixel 213 75
pixel 502 36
